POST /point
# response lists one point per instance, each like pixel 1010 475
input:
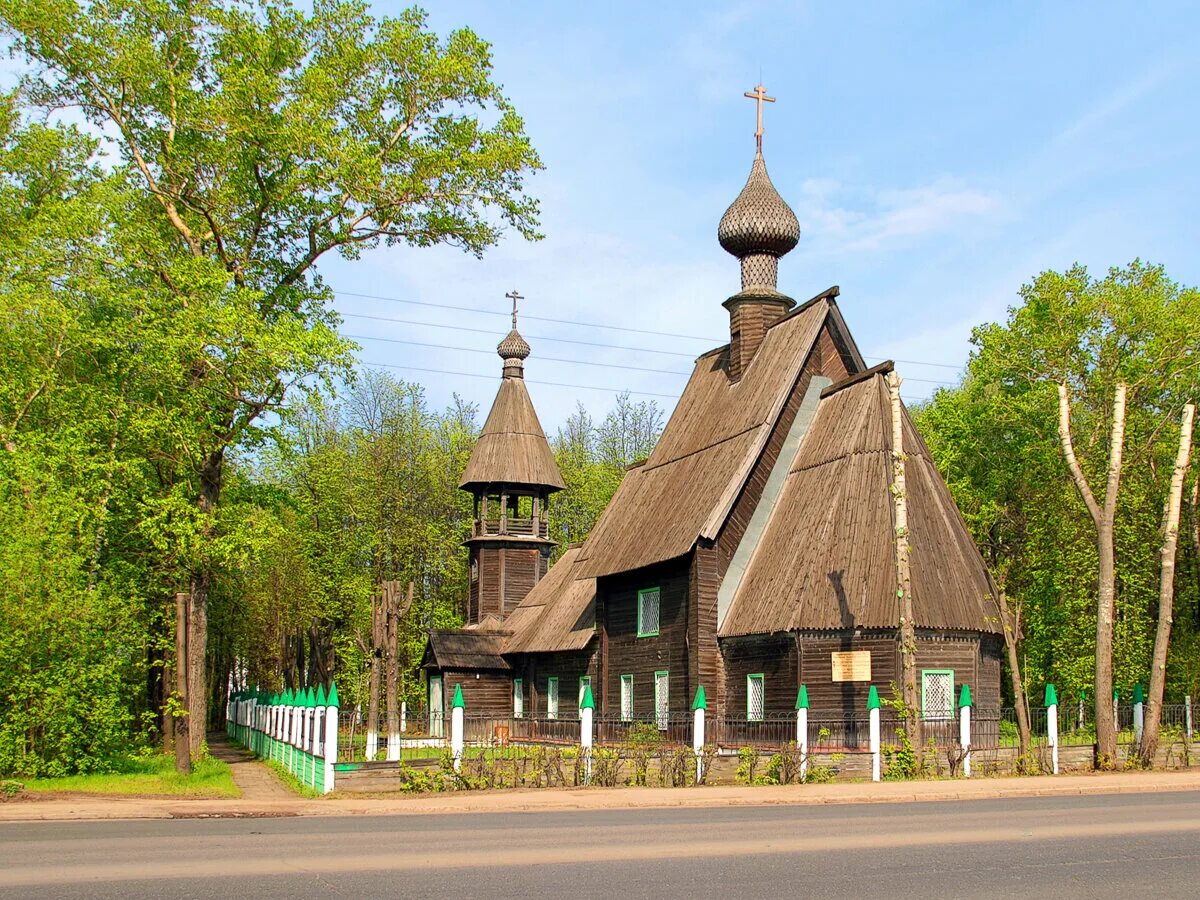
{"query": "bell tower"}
pixel 511 475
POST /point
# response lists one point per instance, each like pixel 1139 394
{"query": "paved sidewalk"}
pixel 80 808
pixel 255 780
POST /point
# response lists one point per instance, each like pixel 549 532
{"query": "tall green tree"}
pixel 257 138
pixel 997 440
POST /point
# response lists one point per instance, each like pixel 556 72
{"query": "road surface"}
pixel 1098 846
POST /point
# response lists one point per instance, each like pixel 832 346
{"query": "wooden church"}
pixel 752 552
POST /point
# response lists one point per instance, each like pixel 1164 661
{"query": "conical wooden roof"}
pixel 512 448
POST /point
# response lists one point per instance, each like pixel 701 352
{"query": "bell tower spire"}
pixel 511 475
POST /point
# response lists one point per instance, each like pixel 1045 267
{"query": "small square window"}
pixel 755 698
pixel 648 612
pixel 627 698
pixel 552 697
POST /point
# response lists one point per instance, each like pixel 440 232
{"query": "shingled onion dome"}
pixel 758 228
pixel 514 350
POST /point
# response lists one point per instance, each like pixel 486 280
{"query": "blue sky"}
pixel 938 155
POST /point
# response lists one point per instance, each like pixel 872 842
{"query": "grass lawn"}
pixel 154 775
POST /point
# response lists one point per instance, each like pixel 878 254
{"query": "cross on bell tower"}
pixel 514 297
pixel 759 94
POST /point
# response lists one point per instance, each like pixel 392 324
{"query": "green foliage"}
pixel 995 440
pixel 160 301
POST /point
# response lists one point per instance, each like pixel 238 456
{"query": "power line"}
pixel 581 387
pixel 492 312
pixel 578 362
pixel 531 336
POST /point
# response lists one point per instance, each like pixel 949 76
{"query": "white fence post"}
pixel 873 711
pixel 699 705
pixel 1139 715
pixel 964 728
pixel 1052 726
pixel 802 730
pixel 586 709
pixel 456 727
pixel 331 736
pixel 1187 717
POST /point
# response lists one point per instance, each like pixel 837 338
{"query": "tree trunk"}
pixel 391 599
pixel 908 628
pixel 210 493
pixel 377 645
pixel 183 752
pixel 168 720
pixel 1166 591
pixel 1011 624
pixel 1106 726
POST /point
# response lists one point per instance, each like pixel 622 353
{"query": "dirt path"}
pixel 253 778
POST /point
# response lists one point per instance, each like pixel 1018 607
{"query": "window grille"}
pixel 584 682
pixel 551 697
pixel 755 698
pixel 518 698
pixel 662 699
pixel 648 612
pixel 937 694
pixel 627 697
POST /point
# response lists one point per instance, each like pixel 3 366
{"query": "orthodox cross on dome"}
pixel 514 297
pixel 759 94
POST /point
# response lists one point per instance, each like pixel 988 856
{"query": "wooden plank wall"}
pixel 816 670
pixel 522 568
pixel 484 693
pixel 627 654
pixel 774 656
pixel 537 668
pixel 706 665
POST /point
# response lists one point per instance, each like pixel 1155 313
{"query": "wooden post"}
pixel 503 513
pixel 456 727
pixel 183 749
pixel 964 728
pixel 699 705
pixel 1052 726
pixel 331 736
pixel 1187 718
pixel 873 712
pixel 391 602
pixel 802 730
pixel 586 708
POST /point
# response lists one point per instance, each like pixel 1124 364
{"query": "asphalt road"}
pixel 1144 845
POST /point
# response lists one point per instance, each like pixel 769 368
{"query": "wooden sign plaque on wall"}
pixel 854 665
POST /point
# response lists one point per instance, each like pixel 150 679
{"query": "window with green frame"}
pixel 937 694
pixel 662 699
pixel 552 697
pixel 648 612
pixel 626 698
pixel 756 697
pixel 518 698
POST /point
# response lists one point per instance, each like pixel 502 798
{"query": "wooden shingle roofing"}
pixel 558 614
pixel 512 448
pixel 826 559
pixel 467 648
pixel 717 431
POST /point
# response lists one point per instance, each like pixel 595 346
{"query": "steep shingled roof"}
pixel 717 431
pixel 827 556
pixel 558 614
pixel 512 448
